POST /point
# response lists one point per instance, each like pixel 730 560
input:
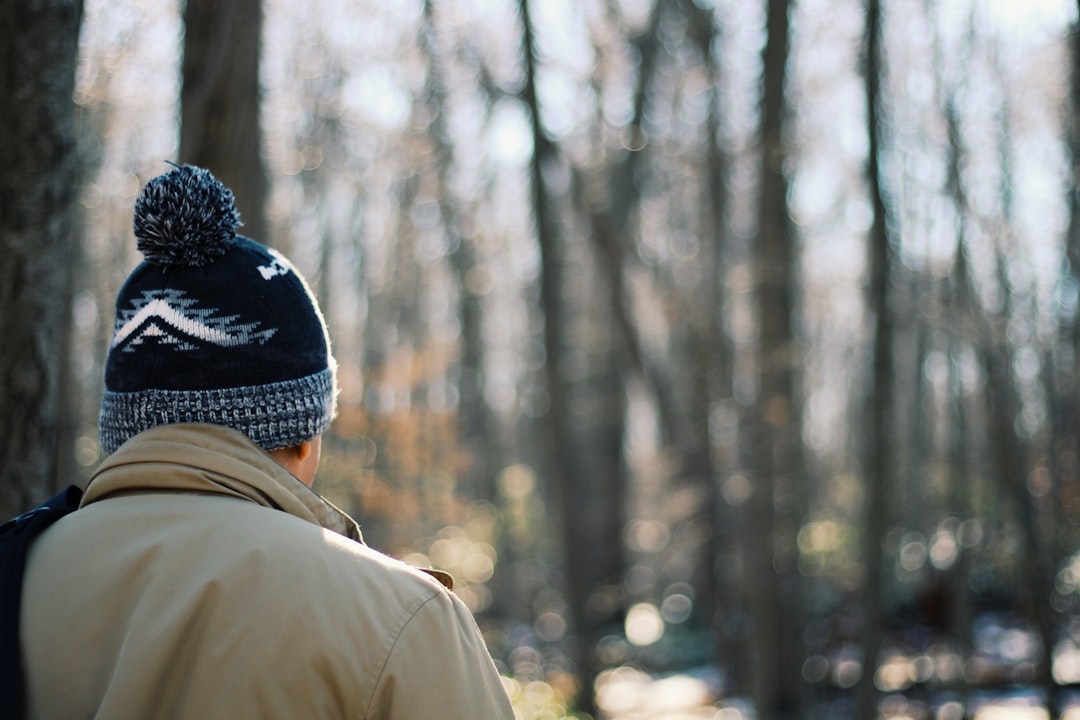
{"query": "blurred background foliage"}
pixel 714 346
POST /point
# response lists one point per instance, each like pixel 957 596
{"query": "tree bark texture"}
pixel 220 126
pixel 38 185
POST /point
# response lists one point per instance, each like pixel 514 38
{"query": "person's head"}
pixel 213 327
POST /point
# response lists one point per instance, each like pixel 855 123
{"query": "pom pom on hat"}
pixel 185 217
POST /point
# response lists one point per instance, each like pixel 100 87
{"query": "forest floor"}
pixel 920 678
pixel 628 694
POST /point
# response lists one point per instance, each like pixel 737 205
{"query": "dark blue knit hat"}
pixel 213 327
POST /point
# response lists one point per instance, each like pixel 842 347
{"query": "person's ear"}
pixel 301 460
pixel 304 450
pixel 294 453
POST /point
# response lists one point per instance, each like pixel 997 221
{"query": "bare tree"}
pixel 563 467
pixel 711 353
pixel 219 103
pixel 879 436
pixel 775 508
pixel 1011 451
pixel 961 480
pixel 1064 388
pixel 38 186
pixel 477 426
pixel 963 332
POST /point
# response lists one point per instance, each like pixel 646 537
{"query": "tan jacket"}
pixel 201 580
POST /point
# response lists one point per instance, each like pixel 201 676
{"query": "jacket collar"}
pixel 212 459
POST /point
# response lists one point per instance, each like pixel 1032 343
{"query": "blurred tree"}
pixel 39 171
pixel 879 431
pixel 776 505
pixel 477 436
pixel 961 481
pixel 1064 388
pixel 478 433
pixel 710 358
pixel 1012 452
pixel 607 197
pixel 961 478
pixel 987 328
pixel 1072 243
pixel 220 126
pixel 562 465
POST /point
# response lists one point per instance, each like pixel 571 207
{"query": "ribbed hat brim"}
pixel 274 415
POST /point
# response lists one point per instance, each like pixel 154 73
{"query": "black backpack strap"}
pixel 15 538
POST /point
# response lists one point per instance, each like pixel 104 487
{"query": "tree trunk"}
pixel 775 507
pixel 711 360
pixel 1012 451
pixel 562 465
pixel 1011 464
pixel 479 434
pixel 961 482
pixel 879 468
pixel 219 103
pixel 1065 391
pixel 38 185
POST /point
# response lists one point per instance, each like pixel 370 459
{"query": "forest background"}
pixel 725 351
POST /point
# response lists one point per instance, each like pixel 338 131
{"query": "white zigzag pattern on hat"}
pixel 171 309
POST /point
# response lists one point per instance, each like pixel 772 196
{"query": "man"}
pixel 201 577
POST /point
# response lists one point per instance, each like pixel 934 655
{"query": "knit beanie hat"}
pixel 213 327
